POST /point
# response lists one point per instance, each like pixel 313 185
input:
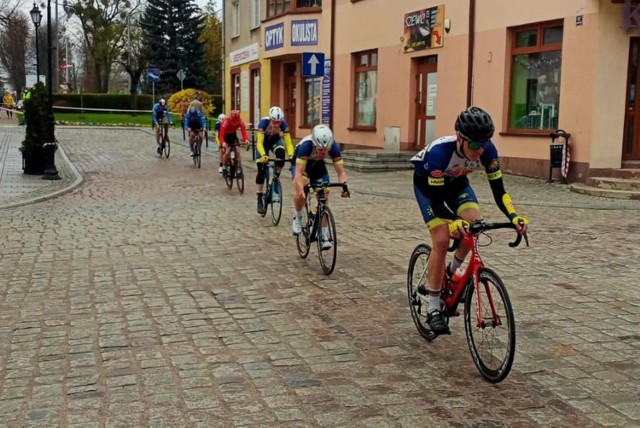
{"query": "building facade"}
pixel 394 75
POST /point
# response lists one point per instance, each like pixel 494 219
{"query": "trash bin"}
pixel 559 154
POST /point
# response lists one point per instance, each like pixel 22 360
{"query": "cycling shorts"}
pixel 315 171
pixel 437 211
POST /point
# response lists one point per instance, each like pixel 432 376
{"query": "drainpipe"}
pixel 332 55
pixel 472 38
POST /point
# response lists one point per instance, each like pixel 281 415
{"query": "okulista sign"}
pixel 304 32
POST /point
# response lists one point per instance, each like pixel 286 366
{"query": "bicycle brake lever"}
pixel 526 239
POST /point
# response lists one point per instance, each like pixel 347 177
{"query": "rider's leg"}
pixel 279 151
pixel 465 205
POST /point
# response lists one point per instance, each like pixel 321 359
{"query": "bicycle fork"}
pixel 480 322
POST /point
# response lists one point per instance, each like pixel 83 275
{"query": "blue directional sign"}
pixel 153 75
pixel 312 64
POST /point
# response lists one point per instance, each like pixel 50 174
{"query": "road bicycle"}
pixel 197 149
pixel 272 196
pixel 312 229
pixel 230 171
pixel 165 143
pixel 488 314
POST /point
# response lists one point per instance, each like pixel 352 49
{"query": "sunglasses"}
pixel 477 145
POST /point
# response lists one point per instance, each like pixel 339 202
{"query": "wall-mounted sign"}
pixel 245 54
pixel 424 29
pixel 274 37
pixel 304 32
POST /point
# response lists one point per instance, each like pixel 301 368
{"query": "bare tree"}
pixel 8 8
pixel 14 39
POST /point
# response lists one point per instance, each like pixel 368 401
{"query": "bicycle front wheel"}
pixel 229 174
pixel 327 241
pixel 199 154
pixel 239 177
pixel 166 146
pixel 490 326
pixel 276 201
pixel 302 239
pixel 417 274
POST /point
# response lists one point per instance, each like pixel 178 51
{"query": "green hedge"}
pixel 103 101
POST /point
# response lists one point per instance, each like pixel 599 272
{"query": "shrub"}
pixel 36 112
pixel 189 93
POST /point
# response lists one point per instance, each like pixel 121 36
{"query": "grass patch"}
pixel 108 119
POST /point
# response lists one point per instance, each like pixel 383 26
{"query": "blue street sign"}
pixel 312 64
pixel 153 75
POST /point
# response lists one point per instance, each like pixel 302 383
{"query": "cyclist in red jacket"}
pixel 229 137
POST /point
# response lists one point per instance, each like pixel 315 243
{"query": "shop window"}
pixel 536 59
pixel 366 80
pixel 280 7
pixel 312 101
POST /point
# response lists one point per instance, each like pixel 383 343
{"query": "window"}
pixel 235 20
pixel 235 90
pixel 255 14
pixel 312 101
pixel 536 58
pixel 366 79
pixel 280 7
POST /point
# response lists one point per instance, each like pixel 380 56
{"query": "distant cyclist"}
pixel 308 165
pixel 229 137
pixel 216 128
pixel 161 116
pixel 274 135
pixel 195 123
pixel 197 103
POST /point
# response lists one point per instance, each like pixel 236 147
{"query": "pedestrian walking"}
pixel 8 103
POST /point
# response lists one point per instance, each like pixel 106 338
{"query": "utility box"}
pixel 392 138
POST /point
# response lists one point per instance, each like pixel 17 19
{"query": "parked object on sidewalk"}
pixel 559 156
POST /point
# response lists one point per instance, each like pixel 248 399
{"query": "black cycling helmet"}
pixel 475 124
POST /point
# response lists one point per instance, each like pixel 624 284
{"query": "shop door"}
pixel 290 96
pixel 425 99
pixel 631 142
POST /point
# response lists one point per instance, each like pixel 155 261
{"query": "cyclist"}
pixel 216 128
pixel 160 115
pixel 447 201
pixel 195 122
pixel 229 137
pixel 197 103
pixel 308 164
pixel 272 130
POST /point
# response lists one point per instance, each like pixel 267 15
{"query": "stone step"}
pixel 605 193
pixel 377 160
pixel 614 183
pixel 622 173
pixel 381 167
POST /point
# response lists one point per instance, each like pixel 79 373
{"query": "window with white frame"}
pixel 365 79
pixel 235 19
pixel 255 14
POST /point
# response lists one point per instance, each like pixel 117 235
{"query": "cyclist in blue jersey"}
pixel 447 201
pixel 195 122
pixel 274 135
pixel 160 116
pixel 308 164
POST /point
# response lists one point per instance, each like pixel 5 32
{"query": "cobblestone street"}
pixel 151 295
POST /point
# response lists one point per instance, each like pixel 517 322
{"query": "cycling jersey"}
pixel 195 120
pixel 440 177
pixel 270 136
pixel 229 128
pixel 306 154
pixel 159 112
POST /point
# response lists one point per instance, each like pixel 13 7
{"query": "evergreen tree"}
pixel 172 31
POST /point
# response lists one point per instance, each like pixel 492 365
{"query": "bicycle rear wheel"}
pixel 276 201
pixel 417 278
pixel 303 241
pixel 491 337
pixel 199 154
pixel 166 146
pixel 326 255
pixel 239 177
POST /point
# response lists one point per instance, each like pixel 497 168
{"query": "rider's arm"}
pixel 243 130
pixel 260 144
pixel 154 113
pixel 491 164
pixel 169 116
pixel 338 163
pixel 298 177
pixel 203 122
pixel 223 132
pixel 288 144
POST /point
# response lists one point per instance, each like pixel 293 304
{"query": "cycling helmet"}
pixel 322 136
pixel 221 117
pixel 234 115
pixel 162 101
pixel 276 113
pixel 475 124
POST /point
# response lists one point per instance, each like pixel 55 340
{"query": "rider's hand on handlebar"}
pixel 345 191
pixel 521 223
pixel 262 159
pixel 459 228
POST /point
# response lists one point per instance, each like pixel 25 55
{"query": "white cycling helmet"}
pixel 221 117
pixel 162 101
pixel 322 136
pixel 276 113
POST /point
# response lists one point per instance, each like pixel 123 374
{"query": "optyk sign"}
pixel 274 37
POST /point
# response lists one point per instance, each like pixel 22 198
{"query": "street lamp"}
pixel 50 146
pixel 36 17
